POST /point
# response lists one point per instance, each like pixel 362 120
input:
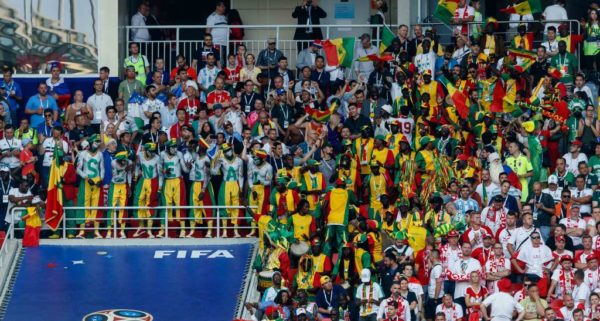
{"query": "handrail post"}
pixel 114 223
pixel 166 224
pixel 64 225
pixel 218 223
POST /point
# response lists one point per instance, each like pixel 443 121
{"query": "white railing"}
pixel 163 221
pixel 255 38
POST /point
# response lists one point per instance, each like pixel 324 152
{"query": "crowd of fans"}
pixel 374 194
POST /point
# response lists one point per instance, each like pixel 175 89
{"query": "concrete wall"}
pixel 109 34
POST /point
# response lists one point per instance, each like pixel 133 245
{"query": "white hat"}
pixel 552 179
pixel 300 311
pixel 191 83
pixel 387 108
pixel 4 168
pixel 365 275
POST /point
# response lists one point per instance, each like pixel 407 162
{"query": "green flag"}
pixel 386 39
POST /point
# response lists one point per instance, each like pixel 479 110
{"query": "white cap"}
pixel 387 108
pixel 300 311
pixel 191 83
pixel 365 275
pixel 552 179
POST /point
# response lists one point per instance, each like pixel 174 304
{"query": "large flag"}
pixel 54 201
pixel 522 53
pixel 445 10
pixel 339 51
pixel 458 97
pixel 524 8
pixel 322 115
pixel 386 39
pixel 374 57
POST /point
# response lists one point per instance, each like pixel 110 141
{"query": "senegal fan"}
pixel 201 192
pixel 91 169
pixel 260 175
pixel 148 176
pixel 173 190
pixel 230 193
pixel 118 191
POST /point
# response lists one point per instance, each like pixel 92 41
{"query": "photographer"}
pixel 308 14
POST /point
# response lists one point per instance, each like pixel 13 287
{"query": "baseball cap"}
pixel 387 108
pixel 4 168
pixel 300 311
pixel 325 279
pixel 365 275
pixel 552 179
pixel 280 91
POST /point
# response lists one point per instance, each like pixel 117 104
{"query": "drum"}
pixel 299 249
pixel 265 280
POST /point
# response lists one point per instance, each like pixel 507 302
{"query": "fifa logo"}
pixel 118 315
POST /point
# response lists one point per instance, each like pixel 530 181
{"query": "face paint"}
pixel 257 161
pixel 229 153
pixel 95 146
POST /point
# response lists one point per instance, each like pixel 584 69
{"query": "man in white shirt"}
pixel 366 298
pixel 151 104
pixel 553 189
pixel 502 304
pixel 99 101
pixel 403 308
pixel 485 188
pixel 453 311
pixel 460 272
pixel 575 225
pixel 574 157
pixel 581 86
pixel 582 196
pixel 534 256
pixel 462 15
pixel 581 293
pixel 555 12
pixel 139 20
pixel 551 44
pixel 516 19
pixel 217 22
pixel 10 148
pixel 425 60
pixel 362 70
pixel 568 307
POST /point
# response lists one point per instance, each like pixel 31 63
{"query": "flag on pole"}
pixel 322 115
pixel 386 39
pixel 458 97
pixel 339 51
pixel 54 201
pixel 445 10
pixel 524 8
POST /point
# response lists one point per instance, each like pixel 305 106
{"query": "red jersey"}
pixel 218 96
pixel 191 107
pixel 233 74
pixel 476 297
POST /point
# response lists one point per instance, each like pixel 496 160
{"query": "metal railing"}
pixel 256 36
pixel 163 220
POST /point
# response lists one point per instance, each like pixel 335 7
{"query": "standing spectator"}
pixel 308 56
pixel 502 304
pixel 129 85
pixel 200 56
pixel 79 107
pixel 555 12
pixel 362 70
pixel 159 66
pixel 516 19
pixel 309 14
pixel 590 45
pixel 47 150
pixel 182 65
pixel 268 58
pixel 138 61
pixel 368 296
pixel 566 63
pixel 37 104
pixel 109 86
pixel 58 88
pixel 207 75
pixel 551 43
pixel 98 102
pixel 462 16
pixel 138 22
pixel 10 149
pixel 13 93
pixel 543 209
pixel 220 34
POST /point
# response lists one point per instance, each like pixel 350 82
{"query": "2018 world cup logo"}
pixel 118 315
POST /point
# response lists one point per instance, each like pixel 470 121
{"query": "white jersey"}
pixel 119 173
pixel 502 306
pixel 150 168
pixel 259 175
pixel 90 166
pixel 407 126
pixel 150 106
pixel 232 170
pixel 535 258
pixel 10 145
pixel 460 271
pixel 200 169
pixel 173 165
pixel 494 219
pixel 17 214
pixel 452 313
pixel 574 223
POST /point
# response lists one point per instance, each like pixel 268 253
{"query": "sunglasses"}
pixel 566 196
pixel 48 115
pixel 535 237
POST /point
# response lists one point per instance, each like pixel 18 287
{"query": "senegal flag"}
pixel 458 97
pixel 524 8
pixel 54 201
pixel 386 39
pixel 445 10
pixel 339 51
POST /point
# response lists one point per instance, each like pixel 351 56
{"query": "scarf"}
pixel 492 215
pixel 566 281
pixel 367 307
